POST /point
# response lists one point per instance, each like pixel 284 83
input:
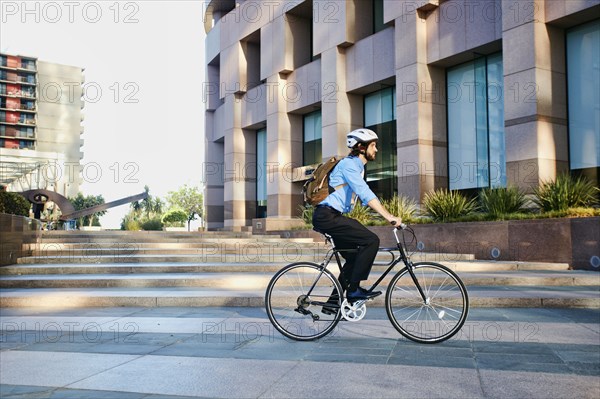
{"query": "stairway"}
pixel 114 268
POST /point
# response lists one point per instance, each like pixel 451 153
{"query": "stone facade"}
pixel 271 62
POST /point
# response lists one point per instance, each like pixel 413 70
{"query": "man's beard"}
pixel 370 157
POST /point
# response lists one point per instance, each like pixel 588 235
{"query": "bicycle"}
pixel 425 301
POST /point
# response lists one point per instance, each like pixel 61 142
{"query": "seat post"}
pixel 328 237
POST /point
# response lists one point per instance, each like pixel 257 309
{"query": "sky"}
pixel 144 74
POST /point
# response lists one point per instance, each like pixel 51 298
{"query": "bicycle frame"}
pixel 402 258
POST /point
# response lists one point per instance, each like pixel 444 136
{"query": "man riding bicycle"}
pixel 347 182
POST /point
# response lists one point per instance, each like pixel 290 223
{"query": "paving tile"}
pixel 433 361
pixel 32 368
pixel 375 381
pixel 190 376
pixel 20 391
pixel 517 385
pixel 355 359
pixel 89 394
pixel 515 348
pixel 516 362
pixel 429 350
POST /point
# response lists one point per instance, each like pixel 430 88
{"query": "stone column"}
pixel 534 94
pixel 213 179
pixel 239 159
pixel 420 111
pixel 284 151
pixel 341 113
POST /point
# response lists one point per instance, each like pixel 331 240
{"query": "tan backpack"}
pixel 316 188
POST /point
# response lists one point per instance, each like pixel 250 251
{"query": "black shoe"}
pixel 361 294
pixel 365 291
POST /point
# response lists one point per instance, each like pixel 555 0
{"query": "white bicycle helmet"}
pixel 360 136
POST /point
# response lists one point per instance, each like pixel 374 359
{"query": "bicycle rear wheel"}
pixel 438 317
pixel 295 299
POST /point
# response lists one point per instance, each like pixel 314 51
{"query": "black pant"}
pixel 348 233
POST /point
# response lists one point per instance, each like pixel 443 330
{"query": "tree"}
pixel 80 202
pixel 143 213
pixel 174 217
pixel 189 199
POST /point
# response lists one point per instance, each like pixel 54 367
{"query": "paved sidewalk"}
pixel 236 353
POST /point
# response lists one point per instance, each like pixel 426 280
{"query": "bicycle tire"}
pixel 292 312
pixel 432 321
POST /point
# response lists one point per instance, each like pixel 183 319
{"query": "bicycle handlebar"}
pixel 401 227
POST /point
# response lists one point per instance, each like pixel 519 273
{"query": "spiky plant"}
pixel 306 213
pixel 361 213
pixel 401 205
pixel 565 192
pixel 502 200
pixel 443 205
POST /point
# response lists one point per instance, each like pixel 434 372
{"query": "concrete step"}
pixel 480 296
pixel 101 233
pixel 51 247
pixel 287 254
pixel 217 265
pixel 259 280
pixel 168 239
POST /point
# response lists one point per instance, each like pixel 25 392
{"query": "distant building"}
pixel 40 125
pixel 463 94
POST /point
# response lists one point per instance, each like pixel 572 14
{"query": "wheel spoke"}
pixel 292 311
pixel 440 317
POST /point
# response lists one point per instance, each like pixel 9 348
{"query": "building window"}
pixel 476 149
pixel 300 23
pixel 380 116
pixel 261 173
pixel 251 49
pixel 312 153
pixel 583 81
pixel 378 24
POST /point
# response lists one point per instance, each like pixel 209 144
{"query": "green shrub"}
pixel 14 204
pixel 402 206
pixel 174 218
pixel 574 212
pixel 152 224
pixel 443 205
pixel 362 214
pixel 306 213
pixel 565 192
pixel 502 200
pixel 130 225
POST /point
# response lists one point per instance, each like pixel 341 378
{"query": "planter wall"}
pixel 14 232
pixel 575 241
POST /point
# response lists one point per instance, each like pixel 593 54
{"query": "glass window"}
pixel 312 152
pixel 378 24
pixel 261 173
pixel 476 155
pixel 380 116
pixel 583 80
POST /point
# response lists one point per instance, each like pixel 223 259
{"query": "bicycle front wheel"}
pixel 437 317
pixel 303 301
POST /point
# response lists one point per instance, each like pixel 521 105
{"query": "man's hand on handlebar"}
pixel 397 221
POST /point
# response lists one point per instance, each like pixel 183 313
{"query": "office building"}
pixel 40 125
pixel 463 94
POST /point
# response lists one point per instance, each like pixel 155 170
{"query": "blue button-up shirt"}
pixel 348 171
